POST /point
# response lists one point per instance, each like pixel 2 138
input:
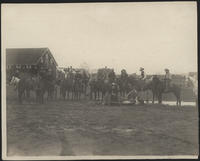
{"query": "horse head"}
pixel 14 80
pixel 190 81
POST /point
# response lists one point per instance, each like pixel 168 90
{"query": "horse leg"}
pixel 76 95
pixel 37 96
pixel 55 94
pixel 20 96
pixel 51 94
pixel 147 96
pixel 103 94
pixel 160 98
pixel 67 94
pixel 42 97
pixel 95 95
pixel 91 94
pixel 85 92
pixel 60 93
pixel 48 94
pixel 80 93
pixel 179 101
pixel 28 95
pixel 63 94
pixel 153 98
pixel 98 95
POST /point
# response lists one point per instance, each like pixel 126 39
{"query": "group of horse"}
pixel 78 85
pixel 37 84
pixel 157 86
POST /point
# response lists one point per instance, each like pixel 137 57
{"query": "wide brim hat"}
pixel 166 69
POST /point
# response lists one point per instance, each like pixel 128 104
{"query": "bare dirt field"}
pixel 60 128
pixel 83 128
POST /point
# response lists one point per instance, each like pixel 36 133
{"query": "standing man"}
pixel 124 75
pixel 167 79
pixel 112 76
pixel 142 74
pixel 142 95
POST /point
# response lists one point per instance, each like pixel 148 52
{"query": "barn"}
pixel 30 60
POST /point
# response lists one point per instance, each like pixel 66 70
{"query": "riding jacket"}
pixel 143 75
pixel 168 76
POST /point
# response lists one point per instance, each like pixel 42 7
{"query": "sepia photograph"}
pixel 115 80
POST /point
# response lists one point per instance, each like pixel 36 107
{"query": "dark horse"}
pixel 157 87
pixel 98 87
pixel 66 85
pixel 26 84
pixel 94 90
pixel 124 86
pixel 24 87
pixel 77 89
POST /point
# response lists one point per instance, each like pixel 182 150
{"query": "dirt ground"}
pixel 62 128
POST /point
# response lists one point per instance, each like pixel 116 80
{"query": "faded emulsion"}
pixel 99 81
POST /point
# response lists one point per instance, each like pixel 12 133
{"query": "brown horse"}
pixel 94 90
pixel 44 86
pixel 157 87
pixel 25 85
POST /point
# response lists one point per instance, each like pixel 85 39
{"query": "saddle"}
pixel 167 86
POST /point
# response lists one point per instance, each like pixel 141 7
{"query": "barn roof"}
pixel 25 56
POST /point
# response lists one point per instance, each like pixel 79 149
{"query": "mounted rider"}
pixel 104 73
pixel 167 79
pixel 114 92
pixel 142 94
pixel 142 74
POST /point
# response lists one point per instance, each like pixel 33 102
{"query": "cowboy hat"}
pixel 166 69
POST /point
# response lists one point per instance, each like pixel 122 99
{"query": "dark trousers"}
pixel 167 84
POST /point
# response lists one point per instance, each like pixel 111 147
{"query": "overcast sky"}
pixel 118 35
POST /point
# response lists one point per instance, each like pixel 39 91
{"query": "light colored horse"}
pixel 194 83
pixel 14 81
